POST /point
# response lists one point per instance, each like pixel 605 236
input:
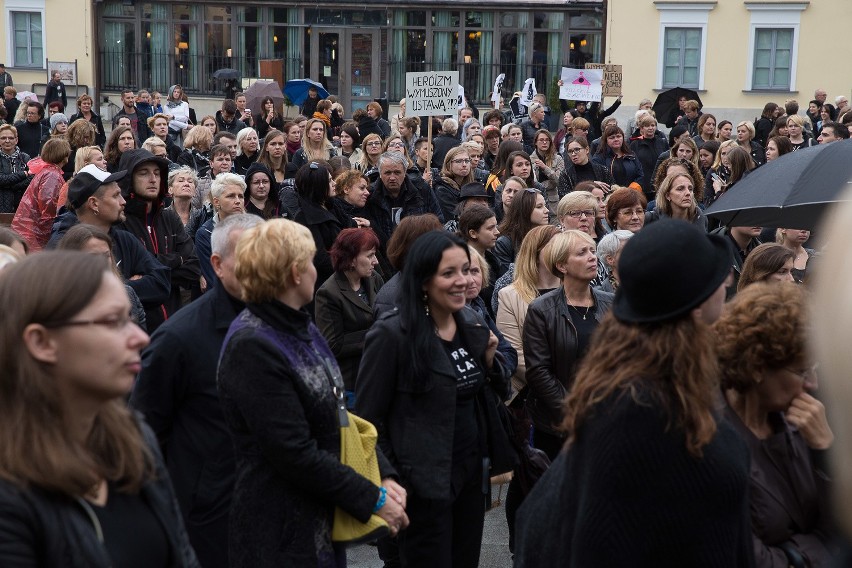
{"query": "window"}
pixel 772 58
pixel 27 43
pixel 773 44
pixel 682 57
pixel 683 43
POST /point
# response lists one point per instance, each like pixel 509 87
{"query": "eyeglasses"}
pixel 572 151
pixel 395 145
pixel 113 323
pixel 803 374
pixel 461 161
pixel 374 143
pixel 583 213
pixel 631 212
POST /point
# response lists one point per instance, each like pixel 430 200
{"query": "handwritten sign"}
pixel 611 78
pixel 581 84
pixel 433 93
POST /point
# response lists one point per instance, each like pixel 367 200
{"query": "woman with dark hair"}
pixel 75 464
pixel 676 199
pixel 616 156
pixel 767 373
pixel 780 127
pixel 581 168
pixel 706 154
pixel 519 164
pixel 429 375
pixel 528 210
pixel 498 169
pixel 269 118
pixel 652 475
pixel 723 133
pixel 344 302
pixel 764 125
pixel 557 333
pixel 120 140
pixel 547 164
pixel 408 127
pixel 478 227
pixel 261 197
pixel 826 114
pixel 350 141
pixel 318 213
pixel 625 210
pixel 777 146
pixel 769 262
pixel 285 422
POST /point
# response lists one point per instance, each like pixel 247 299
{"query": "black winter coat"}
pixel 380 212
pixel 568 177
pixel 324 226
pixel 648 150
pixel 344 318
pixel 550 353
pixel 176 391
pixel 14 179
pixel 30 135
pixel 44 529
pixel 285 428
pixel 414 417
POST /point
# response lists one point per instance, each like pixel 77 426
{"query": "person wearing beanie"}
pixel 160 230
pixel 58 125
pixel 651 473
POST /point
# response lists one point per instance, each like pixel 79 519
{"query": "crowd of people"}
pixel 503 297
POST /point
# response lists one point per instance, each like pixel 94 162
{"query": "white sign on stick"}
pixel 433 93
pixel 581 84
pixel 528 93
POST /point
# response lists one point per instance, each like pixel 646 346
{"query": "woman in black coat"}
pixel 429 378
pixel 282 396
pixel 648 146
pixel 84 110
pixel 344 302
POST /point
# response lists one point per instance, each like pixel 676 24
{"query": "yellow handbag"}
pixel 358 450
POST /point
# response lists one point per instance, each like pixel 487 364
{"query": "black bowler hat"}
pixel 668 269
pixel 473 189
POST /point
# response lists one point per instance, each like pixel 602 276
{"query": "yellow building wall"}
pixel 67 32
pixel 822 62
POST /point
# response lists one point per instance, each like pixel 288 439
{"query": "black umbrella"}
pixel 792 191
pixel 261 89
pixel 226 74
pixel 666 107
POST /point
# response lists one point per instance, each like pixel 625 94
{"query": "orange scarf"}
pixel 323 118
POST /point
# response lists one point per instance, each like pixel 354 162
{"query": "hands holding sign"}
pixel 581 84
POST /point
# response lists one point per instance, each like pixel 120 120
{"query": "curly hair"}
pixel 763 328
pixel 693 170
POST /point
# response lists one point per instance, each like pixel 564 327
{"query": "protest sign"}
pixel 581 84
pixel 433 93
pixel 611 78
pixel 528 93
pixel 498 85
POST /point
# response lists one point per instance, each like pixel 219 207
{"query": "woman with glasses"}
pixel 455 173
pixel 371 146
pixel 767 376
pixel 579 211
pixel 77 466
pixel 581 168
pixel 625 210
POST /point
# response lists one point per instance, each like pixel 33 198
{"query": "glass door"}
pixel 346 62
pixel 363 68
pixel 327 61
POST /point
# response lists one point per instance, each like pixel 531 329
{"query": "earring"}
pixel 97 212
pixel 426 303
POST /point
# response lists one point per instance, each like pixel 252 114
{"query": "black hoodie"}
pixel 161 231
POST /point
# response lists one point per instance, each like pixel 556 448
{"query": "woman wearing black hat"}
pixel 652 475
pixel 557 332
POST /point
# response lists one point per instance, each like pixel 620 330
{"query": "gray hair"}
pixel 450 126
pixel 223 180
pixel 393 158
pixel 183 171
pixel 241 135
pixel 467 124
pixel 610 243
pixel 220 240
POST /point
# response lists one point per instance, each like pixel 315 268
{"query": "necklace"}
pixel 577 308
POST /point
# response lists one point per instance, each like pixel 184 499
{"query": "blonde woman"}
pixel 371 146
pixel 315 145
pixel 84 156
pixel 196 153
pixel 676 200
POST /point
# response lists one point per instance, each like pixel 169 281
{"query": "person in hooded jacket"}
pixel 159 229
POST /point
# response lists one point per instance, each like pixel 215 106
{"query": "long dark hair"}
pixel 603 147
pixel 506 148
pixel 517 222
pixel 510 161
pixel 312 183
pixel 421 264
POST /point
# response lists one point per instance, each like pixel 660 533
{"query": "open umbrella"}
pixel 258 91
pixel 226 73
pixel 666 107
pixel 297 90
pixel 792 191
pixel 25 94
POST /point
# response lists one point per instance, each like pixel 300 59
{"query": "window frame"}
pixel 683 15
pixel 773 16
pixel 681 83
pixel 30 7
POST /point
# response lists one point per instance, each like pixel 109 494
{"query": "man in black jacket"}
pixel 176 391
pixel 14 176
pixel 159 229
pixel 392 197
pixel 138 119
pixel 227 118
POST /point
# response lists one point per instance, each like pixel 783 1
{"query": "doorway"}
pixel 347 64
